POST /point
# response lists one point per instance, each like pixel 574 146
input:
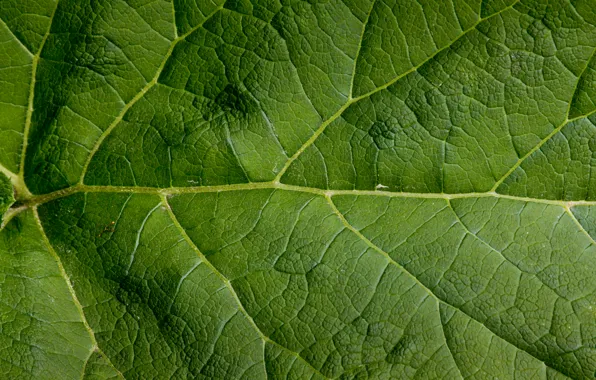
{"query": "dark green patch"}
pixel 383 134
pixel 236 102
pixel 399 350
pixel 6 194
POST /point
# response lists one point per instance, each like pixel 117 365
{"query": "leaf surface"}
pixel 287 189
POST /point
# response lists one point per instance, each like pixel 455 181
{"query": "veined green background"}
pixel 296 189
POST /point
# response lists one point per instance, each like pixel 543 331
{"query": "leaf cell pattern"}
pixel 298 190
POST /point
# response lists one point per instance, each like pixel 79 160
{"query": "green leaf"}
pixel 298 190
pixel 6 194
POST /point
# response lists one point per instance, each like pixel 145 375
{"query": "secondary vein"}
pixel 140 94
pixel 536 147
pixel 71 290
pixel 555 131
pixel 29 115
pixel 16 38
pixel 416 280
pixel 352 100
pixel 230 288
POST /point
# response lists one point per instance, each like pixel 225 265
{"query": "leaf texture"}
pixel 298 190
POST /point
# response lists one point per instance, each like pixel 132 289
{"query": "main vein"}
pixel 41 199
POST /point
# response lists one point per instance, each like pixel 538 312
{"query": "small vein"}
pixel 230 143
pixel 228 285
pixel 291 61
pixel 351 100
pixel 140 94
pixel 364 25
pixel 72 291
pixel 426 24
pixel 16 38
pixel 414 278
pixel 138 237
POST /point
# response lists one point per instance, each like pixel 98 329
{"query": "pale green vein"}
pixel 351 100
pixel 140 94
pixel 231 289
pixel 493 249
pixel 72 291
pixel 16 38
pixel 364 24
pixel 35 62
pixel 537 147
pixel 579 225
pixel 41 199
pixel 415 279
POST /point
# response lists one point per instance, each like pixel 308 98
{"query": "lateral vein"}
pixel 140 94
pixel 230 288
pixel 352 100
pixel 416 280
pixel 29 114
pixel 72 291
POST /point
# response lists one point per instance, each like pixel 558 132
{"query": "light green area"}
pixel 98 367
pixel 15 77
pixel 42 335
pixel 284 189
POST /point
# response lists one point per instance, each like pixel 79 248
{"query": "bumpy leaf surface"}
pixel 297 189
